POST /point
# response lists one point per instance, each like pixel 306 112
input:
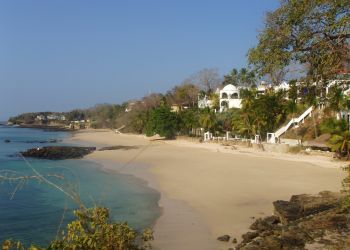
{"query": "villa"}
pixel 230 98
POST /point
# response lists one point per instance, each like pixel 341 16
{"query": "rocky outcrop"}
pixel 58 152
pixel 303 205
pixel 303 222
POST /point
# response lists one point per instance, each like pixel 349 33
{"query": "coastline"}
pixel 208 190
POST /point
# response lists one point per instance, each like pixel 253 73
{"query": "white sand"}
pixel 208 190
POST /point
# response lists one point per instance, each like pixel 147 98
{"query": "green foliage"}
pixel 261 115
pixel 306 32
pixel 336 99
pixel 242 77
pixel 188 119
pixel 163 122
pixel 93 230
pixel 207 119
pixel 340 135
pixel 333 126
pixel 138 122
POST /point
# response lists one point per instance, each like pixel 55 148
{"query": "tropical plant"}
pixel 207 119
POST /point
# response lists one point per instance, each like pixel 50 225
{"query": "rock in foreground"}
pixel 304 222
pixel 58 152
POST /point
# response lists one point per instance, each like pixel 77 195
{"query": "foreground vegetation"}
pixel 93 230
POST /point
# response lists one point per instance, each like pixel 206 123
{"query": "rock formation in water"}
pixel 58 152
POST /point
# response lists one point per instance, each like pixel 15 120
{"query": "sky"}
pixel 61 55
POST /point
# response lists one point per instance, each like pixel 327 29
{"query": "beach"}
pixel 208 190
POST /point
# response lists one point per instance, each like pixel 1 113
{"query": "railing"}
pixel 283 129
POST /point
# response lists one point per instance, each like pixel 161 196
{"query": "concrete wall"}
pixel 277 148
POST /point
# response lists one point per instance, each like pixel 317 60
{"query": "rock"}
pixel 7 141
pixel 312 204
pixel 305 205
pixel 224 238
pixel 234 241
pixel 306 220
pixel 58 152
pixel 247 237
pixel 287 211
pixel 266 223
pixel 294 238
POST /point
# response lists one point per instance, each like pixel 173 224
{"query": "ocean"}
pixel 32 211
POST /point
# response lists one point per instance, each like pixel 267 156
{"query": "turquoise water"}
pixel 36 209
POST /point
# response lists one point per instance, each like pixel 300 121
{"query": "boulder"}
pixel 287 211
pixel 304 205
pixel 225 238
pixel 313 204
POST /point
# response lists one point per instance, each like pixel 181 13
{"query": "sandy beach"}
pixel 207 189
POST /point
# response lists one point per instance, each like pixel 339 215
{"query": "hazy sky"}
pixel 60 55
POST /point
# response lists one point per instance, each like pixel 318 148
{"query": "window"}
pixel 224 95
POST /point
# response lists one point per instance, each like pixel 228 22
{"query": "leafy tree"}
pixel 163 122
pixel 242 77
pixel 207 119
pixel 315 33
pixel 231 78
pixel 336 99
pixel 263 114
pixel 185 94
pixel 188 120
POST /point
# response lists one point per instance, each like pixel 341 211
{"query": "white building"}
pixel 282 86
pixel 230 98
pixel 204 102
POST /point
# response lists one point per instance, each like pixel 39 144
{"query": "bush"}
pixel 93 230
pixel 163 122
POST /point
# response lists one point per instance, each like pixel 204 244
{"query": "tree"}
pixel 263 114
pixel 184 94
pixel 231 78
pixel 209 79
pixel 207 119
pixel 315 33
pixel 163 122
pixel 242 77
pixel 336 99
pixel 292 96
pixel 188 120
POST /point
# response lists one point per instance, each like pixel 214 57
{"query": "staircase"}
pixel 293 121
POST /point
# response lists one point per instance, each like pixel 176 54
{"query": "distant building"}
pixel 40 118
pixel 204 102
pixel 230 98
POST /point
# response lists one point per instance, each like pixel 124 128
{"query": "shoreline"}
pixel 200 202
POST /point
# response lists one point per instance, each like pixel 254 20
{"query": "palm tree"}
pixel 207 119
